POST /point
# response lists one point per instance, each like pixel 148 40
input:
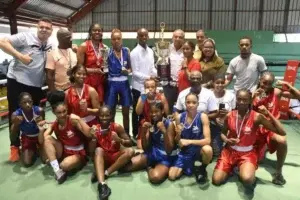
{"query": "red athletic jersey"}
pixel 91 62
pixel 73 100
pixel 248 131
pixel 69 135
pixel 105 141
pixel 271 102
pixel 146 110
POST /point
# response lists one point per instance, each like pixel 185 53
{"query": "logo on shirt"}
pixel 247 130
pixel 291 68
pixel 270 105
pixel 195 129
pixel 70 134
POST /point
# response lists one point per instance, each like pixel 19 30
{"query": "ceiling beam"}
pixel 61 4
pixel 261 14
pixel 286 15
pixel 13 7
pixel 34 15
pixel 88 7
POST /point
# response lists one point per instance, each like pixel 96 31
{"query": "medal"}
pixel 152 129
pixel 98 63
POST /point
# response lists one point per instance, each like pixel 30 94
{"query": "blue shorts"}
pixel 119 89
pixel 156 156
pixel 186 160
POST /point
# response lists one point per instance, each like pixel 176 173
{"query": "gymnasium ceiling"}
pixel 279 16
pixel 62 12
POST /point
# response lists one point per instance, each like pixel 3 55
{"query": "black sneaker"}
pixel 103 191
pixel 201 176
pixel 278 179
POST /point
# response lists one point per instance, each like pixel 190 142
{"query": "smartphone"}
pixel 221 106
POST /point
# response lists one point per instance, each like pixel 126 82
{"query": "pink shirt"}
pixel 60 61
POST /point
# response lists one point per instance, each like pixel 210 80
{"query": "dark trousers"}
pixel 171 94
pixel 135 117
pixel 14 89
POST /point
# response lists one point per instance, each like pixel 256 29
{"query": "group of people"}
pixel 193 118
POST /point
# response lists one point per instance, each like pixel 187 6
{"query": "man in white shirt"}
pixel 207 100
pixel 176 59
pixel 27 69
pixel 142 64
pixel 247 67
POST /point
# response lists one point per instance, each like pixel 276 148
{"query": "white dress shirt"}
pixel 142 65
pixel 176 59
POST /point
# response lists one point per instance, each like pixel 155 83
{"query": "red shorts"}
pixel 230 158
pixel 80 153
pixel 97 82
pixel 29 143
pixel 110 158
pixel 264 137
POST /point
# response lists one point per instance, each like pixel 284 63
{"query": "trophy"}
pixel 162 51
pixel 104 54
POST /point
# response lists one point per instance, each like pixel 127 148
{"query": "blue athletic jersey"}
pixel 28 127
pixel 157 137
pixel 193 131
pixel 115 65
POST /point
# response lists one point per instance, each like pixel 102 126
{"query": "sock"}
pixel 102 183
pixel 106 173
pixel 55 166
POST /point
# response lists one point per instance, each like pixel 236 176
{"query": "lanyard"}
pixel 121 60
pixel 66 57
pixel 80 95
pixel 97 54
pixel 33 115
pixel 237 121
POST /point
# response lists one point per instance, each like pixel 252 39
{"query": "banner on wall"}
pixel 290 76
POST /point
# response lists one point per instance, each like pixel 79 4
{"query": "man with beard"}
pixel 207 101
pixel 26 71
pixel 142 64
pixel 247 67
pixel 60 61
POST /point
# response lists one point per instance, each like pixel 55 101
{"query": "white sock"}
pixel 102 183
pixel 106 173
pixel 55 166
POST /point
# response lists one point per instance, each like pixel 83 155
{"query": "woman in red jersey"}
pixel 89 55
pixel 68 147
pixel 270 96
pixel 239 134
pixel 143 105
pixel 109 156
pixel 83 100
pixel 189 64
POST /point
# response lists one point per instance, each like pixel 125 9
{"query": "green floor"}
pixel 38 183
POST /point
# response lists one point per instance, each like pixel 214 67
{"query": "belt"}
pixel 74 148
pixel 242 149
pixel 32 136
pixel 121 78
pixel 88 118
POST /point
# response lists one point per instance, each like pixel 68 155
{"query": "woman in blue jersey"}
pixel 193 138
pixel 26 119
pixel 158 144
pixel 118 90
